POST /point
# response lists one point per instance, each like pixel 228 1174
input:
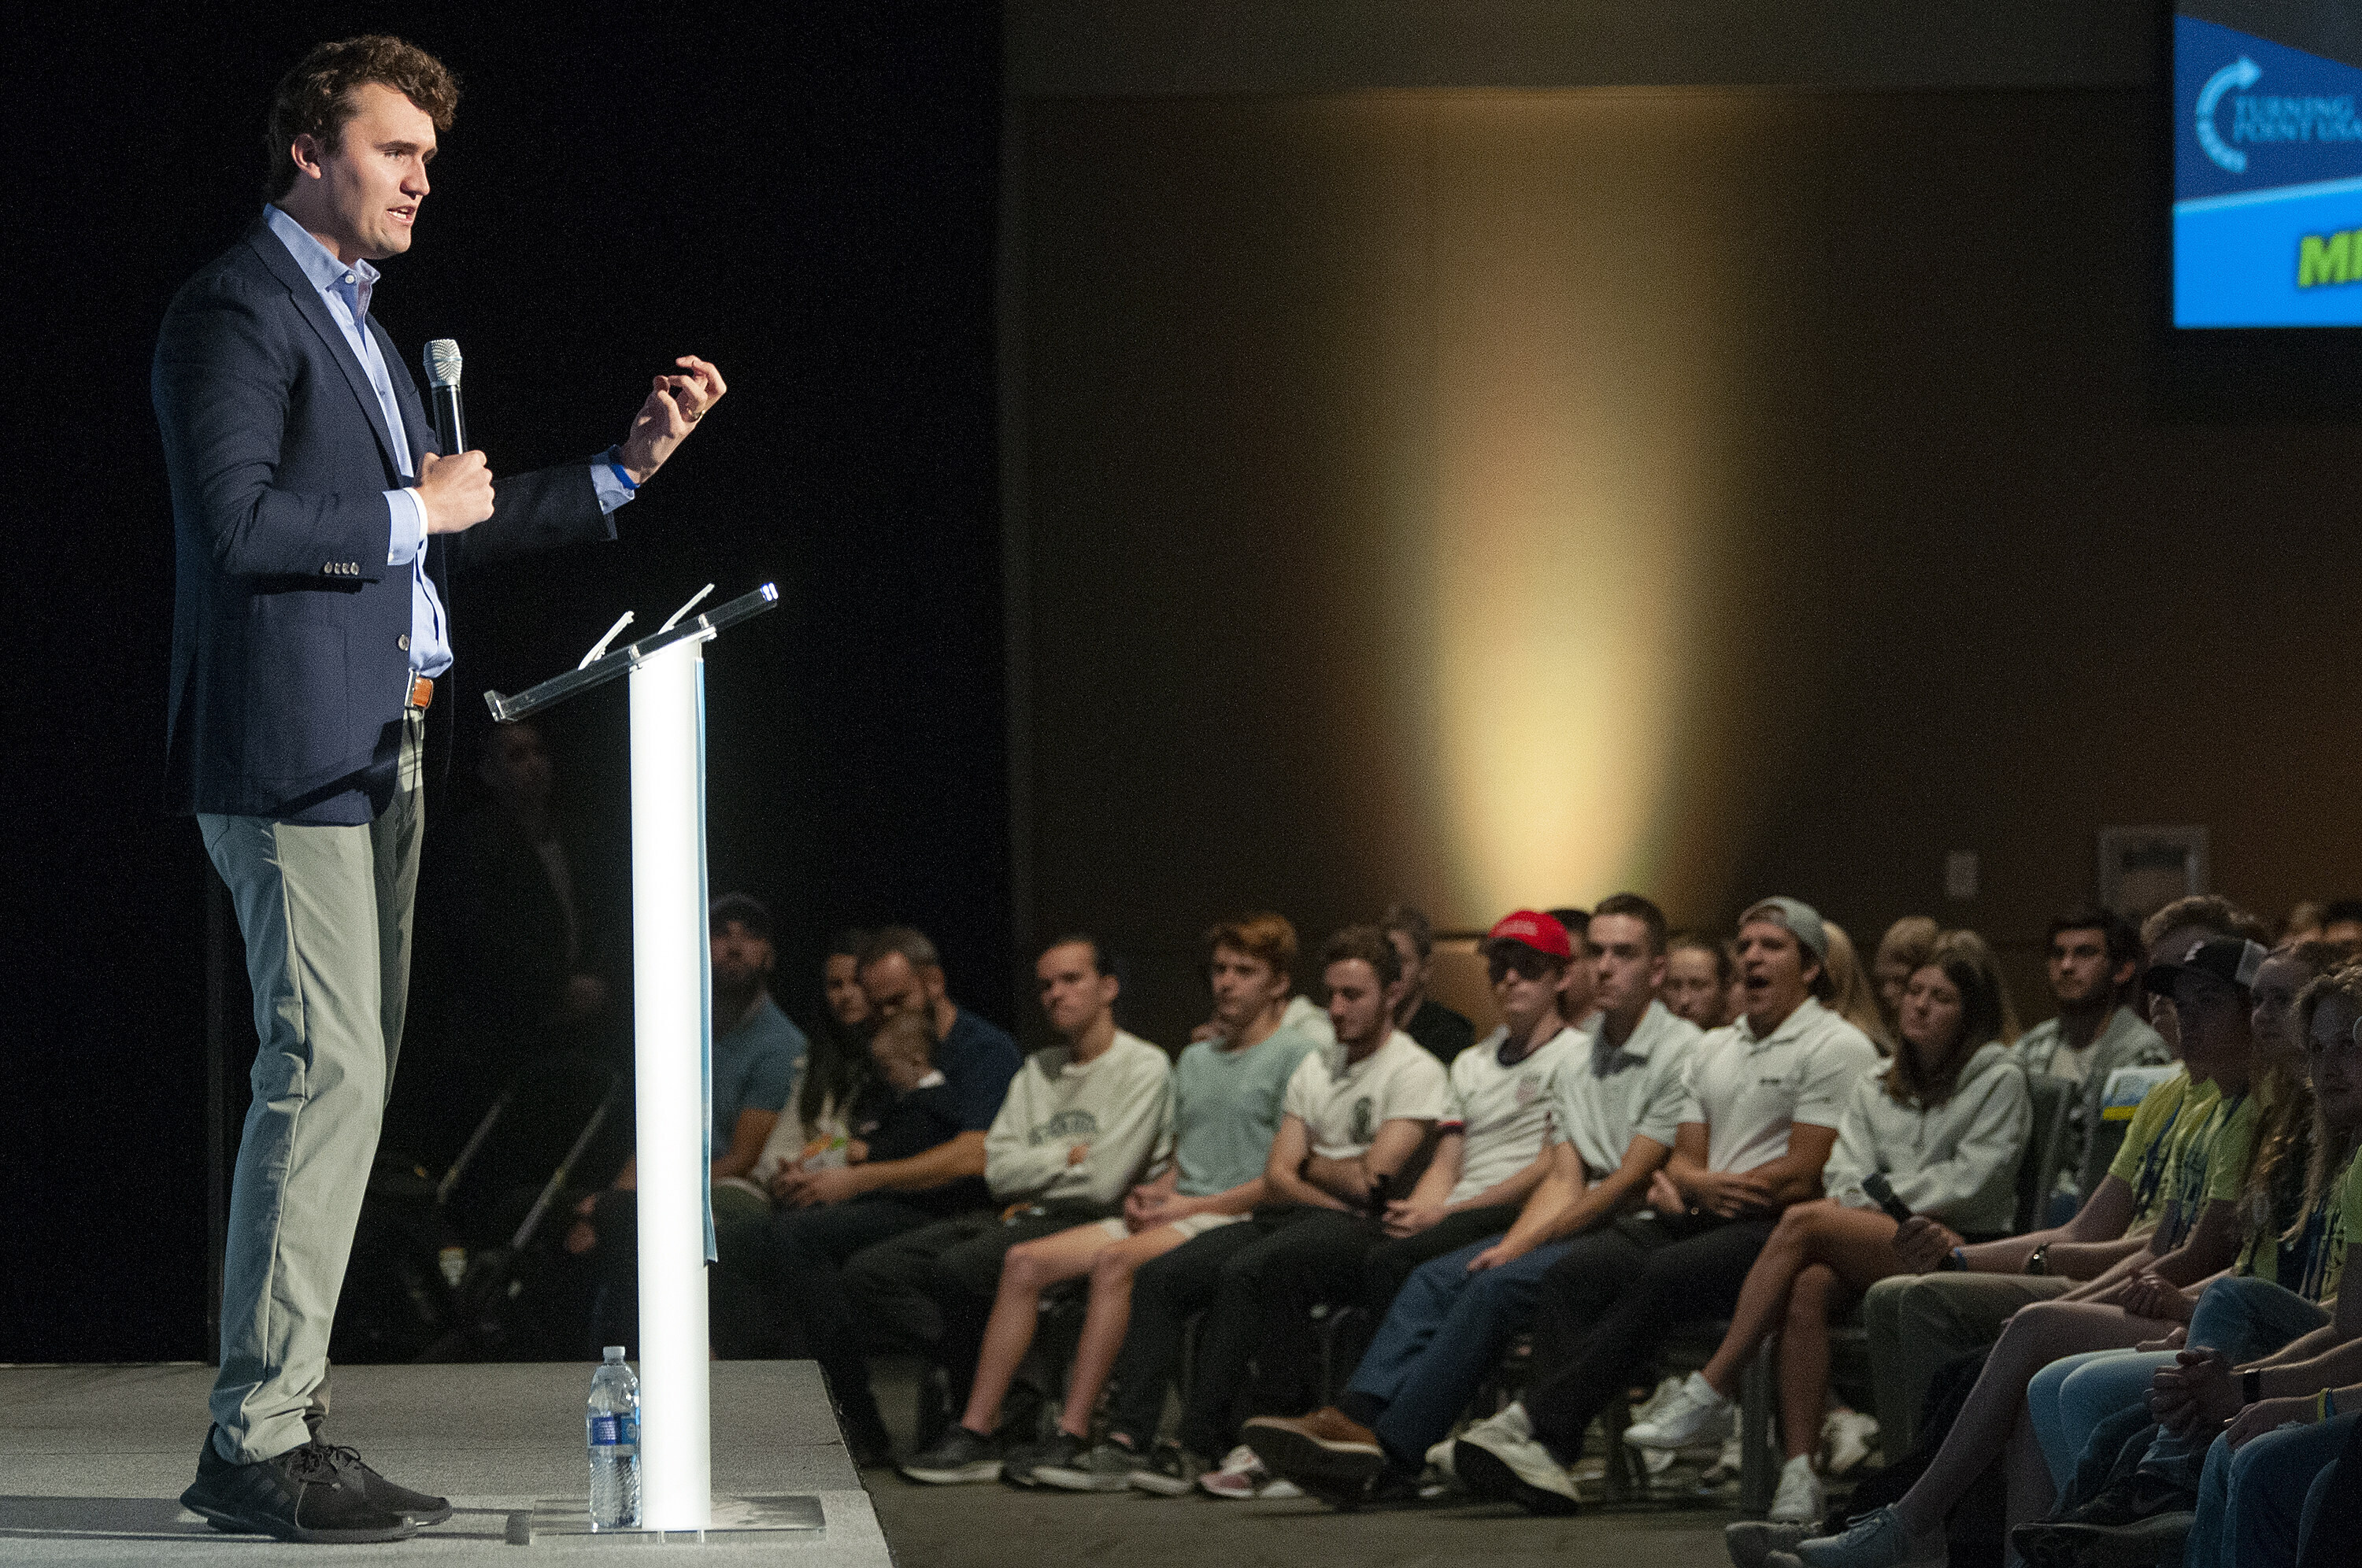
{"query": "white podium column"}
pixel 671 972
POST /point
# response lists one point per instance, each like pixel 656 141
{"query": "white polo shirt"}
pixel 1748 1091
pixel 1343 1106
pixel 1608 1097
pixel 1503 1113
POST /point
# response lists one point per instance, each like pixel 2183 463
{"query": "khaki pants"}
pixel 326 911
pixel 1919 1322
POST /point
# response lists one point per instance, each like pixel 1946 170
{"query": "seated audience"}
pixel 2095 970
pixel 1416 1015
pixel 1946 1124
pixel 1698 976
pixel 1226 1096
pixel 824 1111
pixel 1085 1122
pixel 1615 1105
pixel 1354 1115
pixel 1919 1322
pixel 831 1213
pixel 2268 1489
pixel 1765 1097
pixel 2084 1409
pixel 2340 921
pixel 2199 1231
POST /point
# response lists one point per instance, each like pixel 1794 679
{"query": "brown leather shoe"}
pixel 1321 1453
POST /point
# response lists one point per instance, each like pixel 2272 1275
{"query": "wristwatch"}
pixel 2038 1261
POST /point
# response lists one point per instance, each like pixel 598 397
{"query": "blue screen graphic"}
pixel 2267 182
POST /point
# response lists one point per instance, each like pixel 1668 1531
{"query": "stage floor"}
pixel 93 1461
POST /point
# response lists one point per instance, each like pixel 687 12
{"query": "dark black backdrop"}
pixel 803 194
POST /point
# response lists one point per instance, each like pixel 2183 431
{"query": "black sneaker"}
pixel 2150 1542
pixel 2065 1540
pixel 304 1494
pixel 418 1508
pixel 1060 1450
pixel 1169 1471
pixel 958 1458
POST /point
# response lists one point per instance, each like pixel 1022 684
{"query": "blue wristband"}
pixel 622 475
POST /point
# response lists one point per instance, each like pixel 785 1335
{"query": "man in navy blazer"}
pixel 317 535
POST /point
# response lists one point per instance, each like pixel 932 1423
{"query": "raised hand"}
pixel 673 405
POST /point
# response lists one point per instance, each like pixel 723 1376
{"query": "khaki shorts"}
pixel 1195 1226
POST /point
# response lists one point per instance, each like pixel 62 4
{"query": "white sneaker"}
pixel 1846 1437
pixel 1439 1459
pixel 1502 1460
pixel 1244 1477
pixel 1689 1416
pixel 1660 1399
pixel 1875 1540
pixel 1800 1499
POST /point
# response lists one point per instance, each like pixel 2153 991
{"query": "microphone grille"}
pixel 442 363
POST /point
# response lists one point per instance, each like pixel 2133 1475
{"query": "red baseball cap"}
pixel 1535 930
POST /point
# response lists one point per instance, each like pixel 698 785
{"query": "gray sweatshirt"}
pixel 1956 1162
pixel 1120 1105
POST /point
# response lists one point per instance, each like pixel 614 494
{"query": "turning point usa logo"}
pixel 2268 117
pixel 2257 115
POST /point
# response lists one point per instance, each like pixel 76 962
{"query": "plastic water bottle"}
pixel 613 1426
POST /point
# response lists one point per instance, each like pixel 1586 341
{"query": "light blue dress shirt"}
pixel 345 290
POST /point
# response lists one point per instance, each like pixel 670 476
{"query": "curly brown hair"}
pixel 315 98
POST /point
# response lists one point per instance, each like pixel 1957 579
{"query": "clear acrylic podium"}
pixel 672 1025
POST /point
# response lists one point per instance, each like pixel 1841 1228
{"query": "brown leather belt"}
pixel 421 692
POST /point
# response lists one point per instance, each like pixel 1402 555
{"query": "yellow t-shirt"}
pixel 2345 1221
pixel 2142 1162
pixel 2207 1165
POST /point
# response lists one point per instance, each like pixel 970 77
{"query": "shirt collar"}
pixel 1641 1044
pixel 320 264
pixel 1341 1068
pixel 1790 1026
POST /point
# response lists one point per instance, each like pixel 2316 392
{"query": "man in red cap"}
pixel 1616 1097
pixel 1763 1095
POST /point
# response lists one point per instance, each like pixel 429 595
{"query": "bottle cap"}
pixel 613 1353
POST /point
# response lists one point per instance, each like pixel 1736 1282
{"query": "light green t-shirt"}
pixel 2142 1163
pixel 2344 1221
pixel 2208 1165
pixel 1226 1108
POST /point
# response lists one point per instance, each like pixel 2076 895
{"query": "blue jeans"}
pixel 2069 1399
pixel 1445 1332
pixel 2244 1318
pixel 2253 1505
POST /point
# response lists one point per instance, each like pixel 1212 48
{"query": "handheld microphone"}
pixel 442 357
pixel 1882 1192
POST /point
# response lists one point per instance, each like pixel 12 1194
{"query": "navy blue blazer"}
pixel 290 635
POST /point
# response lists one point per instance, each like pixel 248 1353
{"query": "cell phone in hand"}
pixel 1882 1192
